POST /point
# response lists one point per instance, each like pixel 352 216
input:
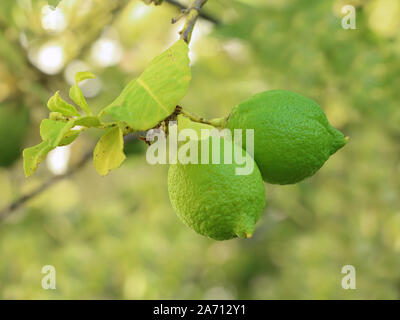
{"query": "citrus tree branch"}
pixel 202 15
pixel 132 137
pixel 4 213
pixel 43 79
pixel 46 185
pixel 192 14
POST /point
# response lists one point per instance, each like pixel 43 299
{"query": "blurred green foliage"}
pixel 118 237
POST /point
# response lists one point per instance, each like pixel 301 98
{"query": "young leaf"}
pixel 109 151
pixel 34 155
pixel 80 76
pixel 57 104
pixel 54 131
pixel 154 95
pixel 69 137
pixel 75 93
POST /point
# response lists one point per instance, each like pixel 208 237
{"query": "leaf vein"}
pixel 148 90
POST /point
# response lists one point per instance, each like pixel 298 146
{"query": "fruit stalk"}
pixel 217 122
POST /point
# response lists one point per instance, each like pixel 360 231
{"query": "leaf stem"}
pixel 217 122
pixel 183 9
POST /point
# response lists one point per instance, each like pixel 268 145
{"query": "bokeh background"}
pixel 118 236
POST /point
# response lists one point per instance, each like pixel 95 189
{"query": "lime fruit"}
pixel 212 199
pixel 13 127
pixel 293 138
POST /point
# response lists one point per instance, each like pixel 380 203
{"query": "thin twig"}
pixel 202 15
pixel 53 180
pixel 192 12
pixel 46 185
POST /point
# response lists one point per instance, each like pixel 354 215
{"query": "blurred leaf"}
pixel 156 2
pixel 57 104
pixel 109 151
pixel 154 95
pixel 76 93
pixel 11 55
pixel 53 3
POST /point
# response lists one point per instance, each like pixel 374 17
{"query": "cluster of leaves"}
pixel 143 104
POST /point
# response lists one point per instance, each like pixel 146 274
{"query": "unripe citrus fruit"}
pixel 293 137
pixel 213 200
pixel 13 127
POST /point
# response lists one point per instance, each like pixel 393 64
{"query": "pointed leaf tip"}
pixel 57 104
pixel 75 93
pixel 84 75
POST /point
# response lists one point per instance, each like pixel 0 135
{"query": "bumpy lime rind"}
pixel 213 200
pixel 293 138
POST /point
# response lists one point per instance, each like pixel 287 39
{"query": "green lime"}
pixel 293 138
pixel 13 127
pixel 213 199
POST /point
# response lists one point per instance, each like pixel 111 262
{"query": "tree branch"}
pixel 44 80
pixel 46 185
pixel 202 15
pixel 192 14
pixel 53 180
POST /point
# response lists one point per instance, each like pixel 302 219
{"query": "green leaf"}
pixel 69 137
pixel 57 104
pixel 54 131
pixel 75 93
pixel 84 75
pixel 34 155
pixel 154 95
pixel 89 121
pixel 109 151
